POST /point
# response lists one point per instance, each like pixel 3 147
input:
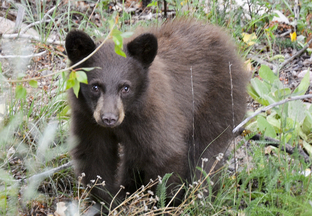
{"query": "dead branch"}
pixel 288 148
pixel 40 21
pixel 47 173
pixel 22 56
pixel 51 41
pixel 236 129
pixel 293 57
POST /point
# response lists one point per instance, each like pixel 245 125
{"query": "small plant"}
pixel 33 130
pixel 287 121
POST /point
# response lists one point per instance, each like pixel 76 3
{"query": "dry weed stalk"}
pixel 144 202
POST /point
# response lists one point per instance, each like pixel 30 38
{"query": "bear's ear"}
pixel 78 45
pixel 144 48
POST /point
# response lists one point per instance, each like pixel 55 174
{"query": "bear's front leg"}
pixel 135 173
pixel 95 153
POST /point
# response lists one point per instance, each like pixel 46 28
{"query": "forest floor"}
pixel 50 56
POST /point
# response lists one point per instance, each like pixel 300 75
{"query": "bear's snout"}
pixel 109 112
pixel 109 119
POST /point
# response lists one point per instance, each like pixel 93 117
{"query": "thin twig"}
pixel 40 21
pixel 93 11
pixel 22 56
pixel 31 37
pixel 69 68
pixel 47 173
pixel 293 57
pixel 172 199
pixel 261 61
pixel 285 33
pixel 24 30
pixel 233 119
pixel 236 129
pixel 193 112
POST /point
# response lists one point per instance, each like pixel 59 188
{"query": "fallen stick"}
pixel 284 147
pixel 47 173
pixel 293 57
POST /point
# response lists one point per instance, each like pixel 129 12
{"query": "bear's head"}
pixel 117 84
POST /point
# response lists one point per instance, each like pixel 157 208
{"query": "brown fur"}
pixel 157 127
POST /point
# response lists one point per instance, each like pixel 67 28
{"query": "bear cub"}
pixel 168 104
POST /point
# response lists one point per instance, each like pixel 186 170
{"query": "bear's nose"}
pixel 109 119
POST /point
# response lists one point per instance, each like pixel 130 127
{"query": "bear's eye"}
pixel 95 88
pixel 125 89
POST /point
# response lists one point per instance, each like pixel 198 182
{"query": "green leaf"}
pixel 82 77
pixel 20 75
pixel 296 111
pixel 76 88
pixel 282 93
pixel 302 134
pixel 272 120
pixel 307 123
pixel 153 3
pixel 304 84
pixel 70 84
pixel 252 126
pixel 267 74
pixel 111 24
pixel 116 34
pixel 72 75
pixel 270 98
pixel 277 84
pixel 64 75
pixel 261 89
pixel 118 41
pixel 126 34
pixel 252 92
pixel 20 92
pixel 161 190
pixel 120 52
pixel 64 111
pixel 265 126
pixel 33 83
pixel 71 80
pixel 307 147
pixel 290 124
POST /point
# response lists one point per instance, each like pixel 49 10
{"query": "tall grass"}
pixel 34 126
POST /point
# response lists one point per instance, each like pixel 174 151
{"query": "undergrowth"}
pixel 34 118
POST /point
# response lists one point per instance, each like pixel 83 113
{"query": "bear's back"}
pixel 207 78
pixel 200 60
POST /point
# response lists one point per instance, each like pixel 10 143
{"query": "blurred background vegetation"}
pixel 274 38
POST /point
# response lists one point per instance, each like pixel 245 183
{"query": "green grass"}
pixel 34 127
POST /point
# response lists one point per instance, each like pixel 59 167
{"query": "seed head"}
pixel 220 156
pixel 205 159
